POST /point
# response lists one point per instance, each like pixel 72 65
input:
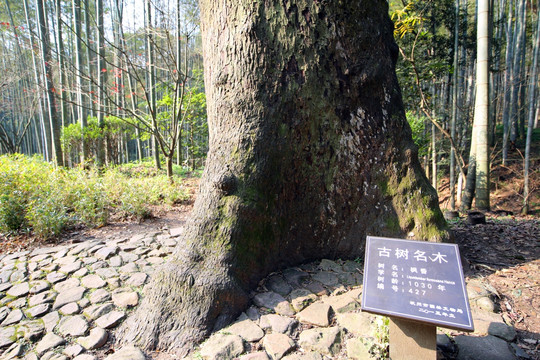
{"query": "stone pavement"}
pixel 64 302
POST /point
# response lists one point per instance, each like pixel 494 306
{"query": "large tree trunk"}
pixel 309 152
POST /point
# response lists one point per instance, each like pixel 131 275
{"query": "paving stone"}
pixel 85 357
pixel 4 312
pixel 359 324
pixel 502 331
pixel 341 303
pixel 137 279
pixel 295 277
pixel 142 250
pixel 55 277
pixel 51 320
pixel 19 290
pixel 125 299
pixel 18 303
pixel 114 283
pixel 154 260
pixel 111 319
pixel 32 266
pixel 70 295
pixel 38 310
pixel 482 348
pixel 39 286
pixel 129 268
pixel 106 252
pixel 97 338
pixel 273 301
pixel 352 266
pixel 5 275
pixel 99 265
pixel 277 345
pixel 70 268
pixel 277 284
pixel 95 248
pixel 315 314
pixel 50 268
pixel 7 336
pixel 5 286
pixel 66 285
pixel 99 296
pixel 89 260
pixel 13 352
pixel 278 323
pixel 37 275
pixel 19 275
pixel 31 330
pixel 128 257
pixel 48 342
pixel 246 329
pixel 357 349
pixel 127 353
pixel 45 251
pixel 95 311
pixel 300 298
pixel 93 281
pixel 329 265
pixel 41 298
pixel 107 272
pixel 14 317
pixel 73 326
pixel 326 278
pixel 326 341
pixel 65 260
pixel 81 272
pixel 260 355
pixel 175 232
pixel 83 303
pixel 70 309
pixel 115 261
pixel 73 350
pixel 315 287
pixel 221 346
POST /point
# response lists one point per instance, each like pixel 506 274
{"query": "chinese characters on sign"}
pixel 416 280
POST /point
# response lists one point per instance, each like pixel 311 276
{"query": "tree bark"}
pixel 309 152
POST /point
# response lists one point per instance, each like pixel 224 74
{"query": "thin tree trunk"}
pixel 102 82
pixel 454 112
pixel 507 84
pixel 151 87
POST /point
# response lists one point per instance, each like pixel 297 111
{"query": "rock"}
pixel 222 347
pixel 115 261
pixel 48 342
pixel 19 275
pixel 81 272
pixel 502 331
pixel 99 296
pixel 106 252
pixel 97 311
pixel 295 276
pixel 55 277
pixel 326 278
pixel 277 345
pixel 5 286
pixel 107 272
pixel 51 320
pixel 66 285
pixel 39 286
pixel 278 323
pixel 445 345
pixel 70 268
pixel 67 296
pixel 175 232
pixel 485 303
pixel 31 330
pixel 329 265
pixel 41 298
pixel 352 266
pixel 315 314
pixel 17 304
pixel 7 336
pixel 342 303
pixel 154 260
pixel 277 284
pixel 304 356
pixel 51 355
pixel 85 357
pixel 13 352
pixel 482 320
pixel 4 312
pixel 260 355
pixel 316 288
pixel 73 350
pixel 38 310
pixel 273 301
pixel 137 279
pixel 70 309
pixel 97 338
pixel 125 299
pixel 326 341
pixel 482 348
pixel 14 317
pixel 93 282
pixel 357 350
pixel 127 353
pixel 300 298
pixel 73 326
pixel 19 290
pixel 111 319
pixel 246 329
pixel 129 257
pixel 358 324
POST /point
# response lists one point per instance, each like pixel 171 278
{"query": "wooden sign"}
pixel 416 280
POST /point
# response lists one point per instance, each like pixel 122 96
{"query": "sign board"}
pixel 416 280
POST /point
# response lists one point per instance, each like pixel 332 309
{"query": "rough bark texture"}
pixel 309 153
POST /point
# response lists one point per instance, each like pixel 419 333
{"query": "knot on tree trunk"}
pixel 226 184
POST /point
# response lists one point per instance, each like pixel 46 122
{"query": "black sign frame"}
pixel 426 282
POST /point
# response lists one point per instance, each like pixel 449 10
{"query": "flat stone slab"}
pixel 73 326
pixel 278 285
pixel 137 279
pixel 359 324
pixel 97 311
pixel 221 346
pixel 315 314
pixel 7 336
pixel 300 298
pixel 327 278
pixel 325 341
pixel 125 299
pixel 342 303
pixel 99 296
pixel 274 301
pixel 111 319
pixel 97 338
pixel 39 286
pixel 19 290
pixel 43 297
pixel 127 353
pixel 14 317
pixel 277 345
pixel 67 296
pixel 246 329
pixel 482 348
pixel 66 285
pixel 278 323
pixel 93 281
pixel 38 310
pixel 48 342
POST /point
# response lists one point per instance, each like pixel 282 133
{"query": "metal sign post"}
pixel 420 286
